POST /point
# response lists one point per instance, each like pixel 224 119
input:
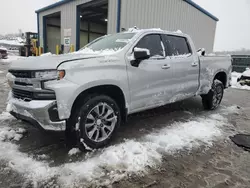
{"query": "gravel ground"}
pixel 222 165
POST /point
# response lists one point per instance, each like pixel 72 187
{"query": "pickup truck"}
pixel 89 93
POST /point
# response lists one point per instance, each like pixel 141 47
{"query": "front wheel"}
pixel 96 122
pixel 213 99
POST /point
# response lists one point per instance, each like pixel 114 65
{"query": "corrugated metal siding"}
pixel 166 14
pixel 112 16
pixel 169 15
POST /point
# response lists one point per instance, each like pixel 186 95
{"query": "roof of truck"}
pixel 157 30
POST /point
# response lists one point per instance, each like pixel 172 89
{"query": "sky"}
pixel 232 33
pixel 233 28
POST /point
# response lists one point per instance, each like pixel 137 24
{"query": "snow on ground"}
pixel 2 48
pixel 14 42
pixel 10 59
pixel 74 151
pixel 7 133
pixel 235 84
pixel 118 161
pixel 5 116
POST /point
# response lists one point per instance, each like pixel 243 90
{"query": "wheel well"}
pixel 110 90
pixel 222 76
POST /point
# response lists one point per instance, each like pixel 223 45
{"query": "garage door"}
pixel 53 38
pixel 83 38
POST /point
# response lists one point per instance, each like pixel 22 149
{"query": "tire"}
pixel 213 99
pixel 95 122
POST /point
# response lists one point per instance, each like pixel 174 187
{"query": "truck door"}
pixel 185 67
pixel 150 80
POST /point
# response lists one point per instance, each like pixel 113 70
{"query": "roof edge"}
pixel 201 9
pixel 187 1
pixel 53 5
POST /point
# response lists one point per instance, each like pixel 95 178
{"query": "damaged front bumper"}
pixel 39 113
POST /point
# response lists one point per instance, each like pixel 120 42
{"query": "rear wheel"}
pixel 96 121
pixel 213 99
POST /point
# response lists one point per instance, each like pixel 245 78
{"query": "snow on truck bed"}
pixel 113 163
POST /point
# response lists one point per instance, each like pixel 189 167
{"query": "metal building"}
pixel 77 22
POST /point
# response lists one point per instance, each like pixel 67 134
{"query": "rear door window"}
pixel 176 46
pixel 153 43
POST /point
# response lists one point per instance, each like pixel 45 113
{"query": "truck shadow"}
pixel 50 147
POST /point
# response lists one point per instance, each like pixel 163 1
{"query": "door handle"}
pixel 166 66
pixel 194 64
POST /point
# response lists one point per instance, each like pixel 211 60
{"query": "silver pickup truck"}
pixel 89 93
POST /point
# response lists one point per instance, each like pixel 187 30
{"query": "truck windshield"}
pixel 110 42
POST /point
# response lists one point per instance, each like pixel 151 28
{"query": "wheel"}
pixel 213 99
pixel 96 122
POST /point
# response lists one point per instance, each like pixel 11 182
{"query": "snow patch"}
pixel 246 73
pixel 42 157
pixel 118 161
pixel 187 135
pixel 85 145
pixel 74 151
pixel 7 134
pixel 178 56
pixel 142 50
pixel 46 54
pixel 14 42
pixel 89 51
pixel 179 31
pixel 234 82
pixel 137 30
pixel 2 48
pixel 5 116
pixel 24 164
pixel 231 110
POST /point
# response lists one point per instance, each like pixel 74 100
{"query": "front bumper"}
pixel 36 112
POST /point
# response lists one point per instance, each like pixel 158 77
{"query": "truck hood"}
pixel 48 61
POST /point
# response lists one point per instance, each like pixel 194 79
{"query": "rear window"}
pixel 177 46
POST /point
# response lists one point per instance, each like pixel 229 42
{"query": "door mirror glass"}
pixel 141 53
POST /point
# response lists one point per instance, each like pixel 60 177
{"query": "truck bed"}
pixel 209 67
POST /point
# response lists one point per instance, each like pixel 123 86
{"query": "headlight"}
pixel 50 75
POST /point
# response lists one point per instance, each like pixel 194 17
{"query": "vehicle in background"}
pixel 90 92
pixel 29 48
pixel 3 53
pixel 245 78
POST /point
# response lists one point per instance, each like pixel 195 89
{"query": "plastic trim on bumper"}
pixel 37 115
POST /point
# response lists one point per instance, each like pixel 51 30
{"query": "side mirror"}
pixel 201 51
pixel 141 53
